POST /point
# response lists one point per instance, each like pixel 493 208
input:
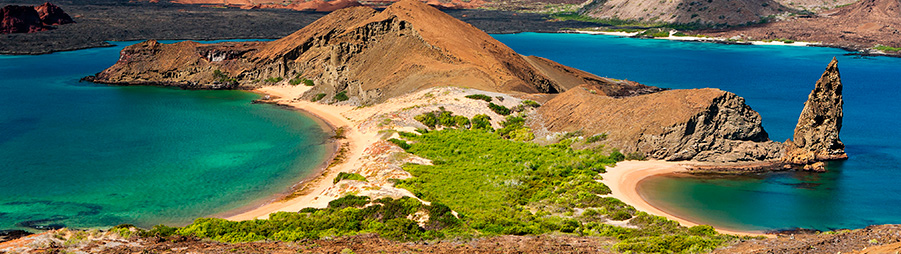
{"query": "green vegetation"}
pixel 223 78
pixel 500 110
pixel 530 103
pixel 298 80
pixel 655 32
pixel 344 216
pixel 596 138
pixel 274 79
pixel 317 97
pixel 887 48
pixel 496 184
pixel 341 96
pixel 479 97
pixel 349 176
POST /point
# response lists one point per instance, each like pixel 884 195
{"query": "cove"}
pixel 775 81
pixel 86 155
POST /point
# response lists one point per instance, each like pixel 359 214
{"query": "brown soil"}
pixel 872 239
pixel 703 12
pixel 858 26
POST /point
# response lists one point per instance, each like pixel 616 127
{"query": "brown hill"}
pixel 705 12
pixel 861 25
pixel 366 54
pixel 327 6
pixel 698 124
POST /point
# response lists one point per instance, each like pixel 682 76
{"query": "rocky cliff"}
pixel 29 19
pixel 816 135
pixel 368 55
pixel 706 125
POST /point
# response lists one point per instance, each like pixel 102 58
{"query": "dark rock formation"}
pixel 706 125
pixel 816 135
pixel 20 19
pixel 9 235
pixel 368 55
pixel 52 15
pixel 30 19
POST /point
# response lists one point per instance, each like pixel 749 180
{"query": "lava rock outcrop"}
pixel 816 137
pixel 30 19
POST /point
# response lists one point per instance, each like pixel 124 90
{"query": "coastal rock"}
pixel 816 136
pixel 30 19
pixel 707 125
pixel 365 54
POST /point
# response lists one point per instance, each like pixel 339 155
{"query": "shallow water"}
pixel 88 155
pixel 775 81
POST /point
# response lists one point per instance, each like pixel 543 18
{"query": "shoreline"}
pixel 308 192
pixel 332 146
pixel 624 179
pixel 708 39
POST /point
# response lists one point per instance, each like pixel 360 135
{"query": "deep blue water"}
pixel 88 155
pixel 775 81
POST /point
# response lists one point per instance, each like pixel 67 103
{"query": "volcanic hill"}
pixel 861 25
pixel 367 55
pixel 702 12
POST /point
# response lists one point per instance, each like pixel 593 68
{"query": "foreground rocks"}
pixel 816 135
pixel 31 19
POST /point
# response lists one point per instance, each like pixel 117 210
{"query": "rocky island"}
pixel 30 19
pixel 438 123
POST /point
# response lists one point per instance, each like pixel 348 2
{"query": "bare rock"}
pixel 816 136
pixel 708 125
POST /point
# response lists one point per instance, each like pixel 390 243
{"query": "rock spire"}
pixel 816 135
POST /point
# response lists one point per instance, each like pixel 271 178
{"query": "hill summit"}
pixel 360 52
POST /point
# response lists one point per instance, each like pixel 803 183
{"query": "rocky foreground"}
pixel 873 239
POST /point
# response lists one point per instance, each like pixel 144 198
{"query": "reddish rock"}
pixel 816 135
pixel 52 15
pixel 30 19
pixel 20 19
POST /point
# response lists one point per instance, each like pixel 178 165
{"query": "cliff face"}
pixel 816 135
pixel 707 125
pixel 30 19
pixel 366 54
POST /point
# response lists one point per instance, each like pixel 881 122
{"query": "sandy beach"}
pixel 623 180
pixel 311 191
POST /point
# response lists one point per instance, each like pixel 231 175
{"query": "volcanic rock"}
pixel 816 135
pixel 52 15
pixel 368 55
pixel 710 12
pixel 707 125
pixel 30 19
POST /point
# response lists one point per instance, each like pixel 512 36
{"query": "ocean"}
pixel 775 81
pixel 85 155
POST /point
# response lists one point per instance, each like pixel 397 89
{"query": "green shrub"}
pixel 461 122
pixel 428 119
pixel 308 82
pixel 499 109
pixel 341 96
pixel 479 97
pixel 295 81
pixel 530 103
pixel 402 144
pixel 596 138
pixel 274 79
pixel 887 48
pixel 481 122
pixel 349 176
pixel 636 156
pixel 349 201
pixel 317 97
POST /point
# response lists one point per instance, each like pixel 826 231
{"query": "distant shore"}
pixel 624 178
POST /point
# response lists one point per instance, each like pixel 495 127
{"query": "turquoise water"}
pixel 775 81
pixel 88 155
